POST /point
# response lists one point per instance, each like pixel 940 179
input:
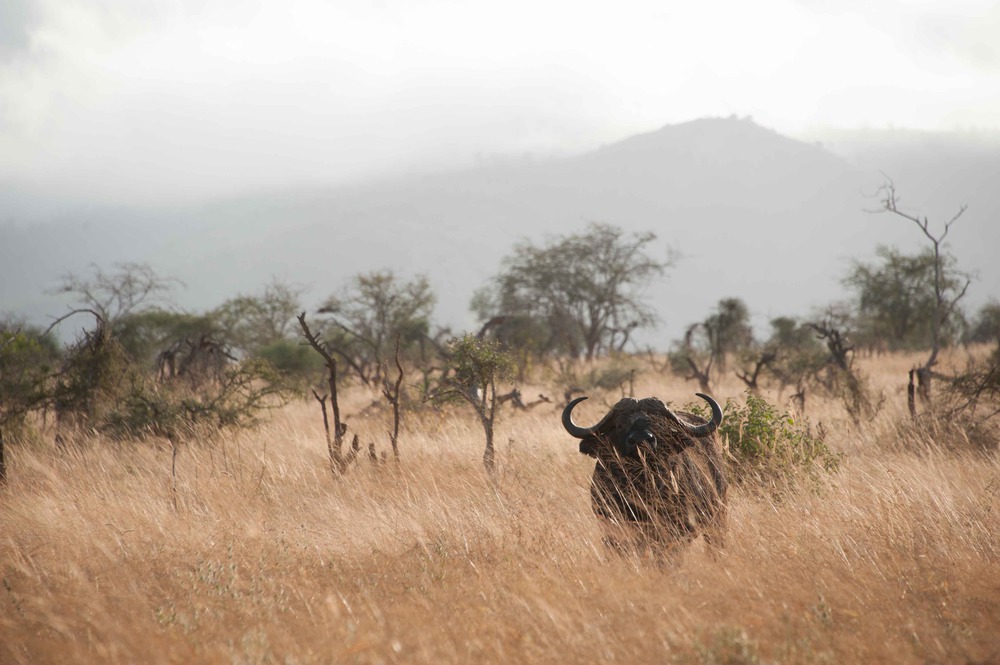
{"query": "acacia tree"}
pixel 584 288
pixel 372 312
pixel 477 365
pixel 104 385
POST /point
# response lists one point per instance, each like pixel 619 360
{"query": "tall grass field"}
pixel 243 548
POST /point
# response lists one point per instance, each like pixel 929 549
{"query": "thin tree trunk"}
pixel 489 460
pixel 488 418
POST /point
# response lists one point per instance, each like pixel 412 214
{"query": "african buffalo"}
pixel 660 475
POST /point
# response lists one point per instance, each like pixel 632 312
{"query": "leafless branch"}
pixel 83 310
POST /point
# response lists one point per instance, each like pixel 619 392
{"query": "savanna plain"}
pixel 245 549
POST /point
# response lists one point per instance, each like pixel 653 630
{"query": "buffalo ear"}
pixel 588 446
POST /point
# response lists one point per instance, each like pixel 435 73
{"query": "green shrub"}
pixel 238 399
pixel 768 446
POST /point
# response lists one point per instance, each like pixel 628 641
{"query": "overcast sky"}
pixel 130 101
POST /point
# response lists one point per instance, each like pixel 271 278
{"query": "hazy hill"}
pixel 755 214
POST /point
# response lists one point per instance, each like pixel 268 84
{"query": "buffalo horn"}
pixel 571 427
pixel 694 430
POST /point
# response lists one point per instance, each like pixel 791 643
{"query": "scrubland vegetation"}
pixel 243 548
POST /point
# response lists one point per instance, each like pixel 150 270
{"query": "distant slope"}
pixel 756 215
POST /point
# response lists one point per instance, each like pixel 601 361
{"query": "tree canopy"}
pixel 579 294
pixel 897 304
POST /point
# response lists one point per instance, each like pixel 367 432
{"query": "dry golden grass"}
pixel 259 556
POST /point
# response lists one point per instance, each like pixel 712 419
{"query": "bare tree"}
pixel 799 356
pixel 946 296
pixel 978 386
pixel 110 296
pixel 517 400
pixel 339 460
pixel 836 340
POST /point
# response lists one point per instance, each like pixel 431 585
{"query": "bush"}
pixel 101 388
pixel 238 399
pixel 95 374
pixel 767 446
pixel 27 358
pixel 970 403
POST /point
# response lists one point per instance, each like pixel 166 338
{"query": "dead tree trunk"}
pixel 392 394
pixel 946 297
pixel 338 460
